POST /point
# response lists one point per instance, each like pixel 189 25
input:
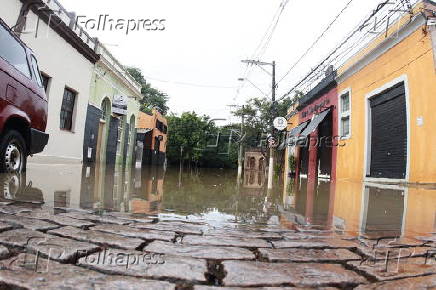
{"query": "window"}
pixel 67 109
pixel 35 71
pixel 45 81
pixel 13 52
pixel 345 115
pixel 105 109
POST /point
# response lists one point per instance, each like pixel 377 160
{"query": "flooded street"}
pixel 199 229
pixel 213 196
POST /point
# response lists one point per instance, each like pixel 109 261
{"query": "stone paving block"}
pixel 27 223
pixel 202 287
pixel 5 227
pixel 95 218
pixel 225 242
pixel 309 255
pixel 21 272
pixel 251 274
pixel 136 233
pixel 131 217
pixel 244 234
pixel 81 210
pixel 58 219
pixel 4 252
pixel 172 227
pixel 431 239
pixel 395 253
pixel 305 236
pixel 139 264
pixel 97 237
pixel 426 282
pixel 202 252
pixel 391 242
pixel 314 244
pixel 13 209
pixel 396 269
pixel 57 248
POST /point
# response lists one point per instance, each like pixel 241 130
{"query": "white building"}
pixel 66 56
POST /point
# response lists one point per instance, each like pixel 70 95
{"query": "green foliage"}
pixel 194 133
pixel 153 98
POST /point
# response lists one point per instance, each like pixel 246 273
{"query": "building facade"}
pixel 66 56
pixel 110 131
pixel 376 109
pixel 390 89
pixel 152 137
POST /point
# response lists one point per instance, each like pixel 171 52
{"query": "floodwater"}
pixel 214 196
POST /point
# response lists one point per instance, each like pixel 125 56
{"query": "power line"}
pixel 264 43
pixel 352 34
pixel 267 43
pixel 316 41
pixel 190 84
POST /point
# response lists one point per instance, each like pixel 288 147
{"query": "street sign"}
pixel 280 123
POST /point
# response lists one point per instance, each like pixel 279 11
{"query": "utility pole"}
pixel 241 148
pixel 273 111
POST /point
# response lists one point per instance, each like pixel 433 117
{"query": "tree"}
pixel 153 98
pixel 188 131
pixel 259 115
pixel 194 133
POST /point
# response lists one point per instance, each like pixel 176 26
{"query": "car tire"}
pixel 13 153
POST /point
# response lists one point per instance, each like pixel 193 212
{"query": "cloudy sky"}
pixel 196 59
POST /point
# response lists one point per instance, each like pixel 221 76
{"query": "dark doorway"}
pixel 389 134
pixel 325 132
pixel 304 160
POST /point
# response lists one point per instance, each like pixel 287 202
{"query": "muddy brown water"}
pixel 214 196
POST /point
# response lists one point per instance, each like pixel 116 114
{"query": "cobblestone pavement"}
pixel 65 248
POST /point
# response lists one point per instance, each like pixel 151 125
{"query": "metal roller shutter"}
pixel 389 134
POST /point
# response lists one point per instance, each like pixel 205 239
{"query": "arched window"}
pixel 105 109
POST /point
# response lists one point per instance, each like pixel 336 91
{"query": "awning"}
pixel 292 136
pixel 315 123
pixel 297 130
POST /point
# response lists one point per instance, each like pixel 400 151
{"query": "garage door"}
pixel 389 134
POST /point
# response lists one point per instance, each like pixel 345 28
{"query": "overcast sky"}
pixel 205 40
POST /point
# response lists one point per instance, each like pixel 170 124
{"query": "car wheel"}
pixel 13 155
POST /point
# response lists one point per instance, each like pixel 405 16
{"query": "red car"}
pixel 23 103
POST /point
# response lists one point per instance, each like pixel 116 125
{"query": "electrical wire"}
pixel 316 41
pixel 350 36
pixel 189 84
pixel 263 44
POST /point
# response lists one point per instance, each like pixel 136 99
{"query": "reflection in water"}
pixel 214 196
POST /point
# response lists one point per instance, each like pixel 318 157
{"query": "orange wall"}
pixel 146 121
pixel 420 212
pixel 413 57
pixel 348 201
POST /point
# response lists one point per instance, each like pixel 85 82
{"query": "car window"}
pixel 13 52
pixel 36 72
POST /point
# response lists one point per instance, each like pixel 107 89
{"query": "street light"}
pixel 260 64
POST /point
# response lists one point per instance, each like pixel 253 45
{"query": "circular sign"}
pixel 280 123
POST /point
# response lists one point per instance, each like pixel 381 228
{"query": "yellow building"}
pixel 387 94
pixel 152 131
pixel 290 153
